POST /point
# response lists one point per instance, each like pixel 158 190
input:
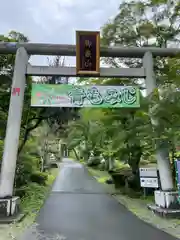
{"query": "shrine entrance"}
pixel 88 53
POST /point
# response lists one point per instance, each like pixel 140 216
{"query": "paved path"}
pixel 79 209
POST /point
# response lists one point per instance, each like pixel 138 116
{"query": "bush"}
pixel 23 173
pixel 94 161
pixel 26 165
pixel 39 177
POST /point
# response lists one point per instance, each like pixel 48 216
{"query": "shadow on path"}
pixel 79 209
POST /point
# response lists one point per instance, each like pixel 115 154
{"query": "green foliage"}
pixel 34 194
pixel 135 26
pixel 25 167
pixel 39 177
pixel 29 165
pixel 127 134
pixel 33 198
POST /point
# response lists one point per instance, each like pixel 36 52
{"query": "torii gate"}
pixel 22 69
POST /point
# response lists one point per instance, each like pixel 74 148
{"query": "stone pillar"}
pixel 13 125
pixel 162 153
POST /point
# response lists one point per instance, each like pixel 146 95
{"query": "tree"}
pixel 128 133
pixel 135 26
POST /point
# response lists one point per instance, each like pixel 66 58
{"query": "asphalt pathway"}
pixel 79 209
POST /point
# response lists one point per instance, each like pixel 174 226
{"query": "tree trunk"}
pixel 59 151
pixel 75 153
pixel 26 135
pixel 42 165
pixel 111 163
pixel 106 163
pixel 133 162
pixel 86 155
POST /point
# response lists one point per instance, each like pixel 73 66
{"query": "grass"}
pixel 35 194
pixel 101 176
pixel 138 205
pixel 31 203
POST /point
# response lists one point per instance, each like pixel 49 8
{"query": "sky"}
pixel 54 21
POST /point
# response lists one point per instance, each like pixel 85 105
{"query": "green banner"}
pixel 63 95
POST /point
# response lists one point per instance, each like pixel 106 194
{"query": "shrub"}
pixel 39 177
pixel 23 173
pixel 94 161
pixel 26 165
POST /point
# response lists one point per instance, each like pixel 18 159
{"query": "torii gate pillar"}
pixel 166 197
pixel 12 134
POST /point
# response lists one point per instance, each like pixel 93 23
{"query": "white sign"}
pixel 149 182
pixel 52 157
pixel 148 172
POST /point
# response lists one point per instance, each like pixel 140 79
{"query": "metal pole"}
pixel 162 153
pixel 13 124
pixel 70 50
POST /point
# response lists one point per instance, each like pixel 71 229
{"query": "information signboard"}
pixel 149 177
